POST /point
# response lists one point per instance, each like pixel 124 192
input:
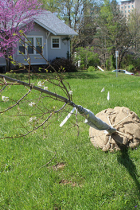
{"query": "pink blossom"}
pixel 14 16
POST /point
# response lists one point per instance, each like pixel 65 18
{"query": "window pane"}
pixel 21 47
pixel 38 49
pixel 38 41
pixel 55 43
pixel 30 45
pixel 38 45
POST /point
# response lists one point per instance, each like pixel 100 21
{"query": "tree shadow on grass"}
pixel 80 75
pixel 124 159
pixel 85 75
pixel 64 75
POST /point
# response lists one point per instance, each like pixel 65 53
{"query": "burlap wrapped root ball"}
pixel 127 124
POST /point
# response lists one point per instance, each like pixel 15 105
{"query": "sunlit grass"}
pixel 54 168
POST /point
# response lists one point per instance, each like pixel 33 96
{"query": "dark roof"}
pixel 50 22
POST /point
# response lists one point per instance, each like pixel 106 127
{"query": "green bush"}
pixel 82 66
pixel 87 56
pixel 107 64
pixel 130 67
pixel 130 62
pixel 113 63
pixel 91 68
pixel 62 64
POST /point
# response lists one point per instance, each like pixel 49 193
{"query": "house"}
pixel 49 32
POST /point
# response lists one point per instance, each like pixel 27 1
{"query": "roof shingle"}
pixel 50 22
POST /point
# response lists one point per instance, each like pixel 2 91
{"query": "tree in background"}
pixel 134 27
pixel 99 24
pixel 79 15
pixel 51 5
pixel 131 61
pixel 87 57
pixel 113 32
pixel 69 10
pixel 14 15
pixel 88 24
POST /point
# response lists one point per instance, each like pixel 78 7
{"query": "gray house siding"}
pixel 36 59
pixel 2 62
pixel 60 53
pixel 48 52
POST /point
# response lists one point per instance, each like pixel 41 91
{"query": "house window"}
pixel 30 45
pixel 38 45
pixel 33 45
pixel 21 47
pixel 55 43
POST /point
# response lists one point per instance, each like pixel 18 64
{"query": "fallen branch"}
pixel 91 119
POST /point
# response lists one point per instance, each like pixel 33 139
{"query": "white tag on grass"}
pixel 103 90
pixel 108 96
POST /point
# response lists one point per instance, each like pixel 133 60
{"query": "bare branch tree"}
pixel 91 119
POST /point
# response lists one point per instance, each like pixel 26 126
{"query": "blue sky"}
pixel 118 1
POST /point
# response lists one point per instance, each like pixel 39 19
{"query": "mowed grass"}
pixel 54 168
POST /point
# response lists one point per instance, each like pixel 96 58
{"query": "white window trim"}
pixel 55 37
pixel 34 43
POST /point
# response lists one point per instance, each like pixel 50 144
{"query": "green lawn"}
pixel 57 168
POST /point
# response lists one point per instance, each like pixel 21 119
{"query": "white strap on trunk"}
pixel 67 117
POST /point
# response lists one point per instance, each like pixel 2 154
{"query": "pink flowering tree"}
pixel 14 16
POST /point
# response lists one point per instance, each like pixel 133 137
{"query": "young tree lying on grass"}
pixel 42 110
pixel 47 104
pixel 67 100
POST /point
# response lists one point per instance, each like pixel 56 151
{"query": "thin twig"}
pixel 3 88
pixel 23 135
pixel 16 102
pixel 54 95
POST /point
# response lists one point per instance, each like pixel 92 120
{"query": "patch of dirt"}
pixel 64 182
pixel 59 166
pixel 57 208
